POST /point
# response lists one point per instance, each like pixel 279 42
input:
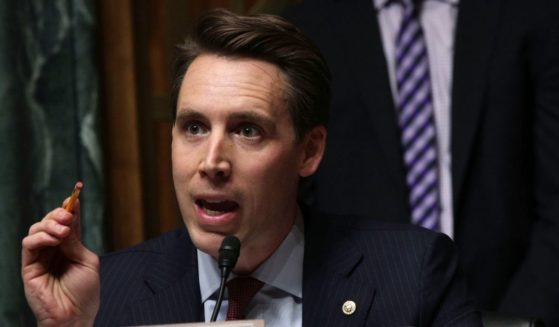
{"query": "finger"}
pixel 31 245
pixel 40 240
pixel 36 227
pixel 27 257
pixel 56 229
pixel 51 235
pixel 74 250
pixel 58 215
pixel 72 246
pixel 76 228
pixel 79 253
pixel 76 224
pixel 50 224
pixel 77 207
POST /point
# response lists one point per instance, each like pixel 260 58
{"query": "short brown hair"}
pixel 269 38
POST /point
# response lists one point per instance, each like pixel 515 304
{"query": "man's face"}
pixel 236 163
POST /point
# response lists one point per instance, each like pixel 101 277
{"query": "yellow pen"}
pixel 75 194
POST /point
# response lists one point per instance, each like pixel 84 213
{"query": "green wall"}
pixel 49 128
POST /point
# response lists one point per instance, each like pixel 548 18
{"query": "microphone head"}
pixel 229 252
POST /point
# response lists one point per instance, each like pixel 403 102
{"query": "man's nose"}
pixel 216 163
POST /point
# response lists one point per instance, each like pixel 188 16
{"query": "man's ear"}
pixel 313 145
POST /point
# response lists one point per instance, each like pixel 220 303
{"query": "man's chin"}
pixel 207 242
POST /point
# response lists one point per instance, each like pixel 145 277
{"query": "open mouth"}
pixel 216 208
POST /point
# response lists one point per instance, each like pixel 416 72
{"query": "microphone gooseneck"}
pixel 228 255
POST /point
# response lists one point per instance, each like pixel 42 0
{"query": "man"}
pixel 494 75
pixel 251 109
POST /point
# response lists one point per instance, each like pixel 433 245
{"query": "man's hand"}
pixel 60 275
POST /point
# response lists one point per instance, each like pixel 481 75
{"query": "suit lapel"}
pixel 329 281
pixel 173 280
pixel 475 33
pixel 371 71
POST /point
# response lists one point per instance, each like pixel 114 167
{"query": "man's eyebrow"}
pixel 252 116
pixel 189 114
pixel 247 116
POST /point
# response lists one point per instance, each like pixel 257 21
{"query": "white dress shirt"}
pixel 280 301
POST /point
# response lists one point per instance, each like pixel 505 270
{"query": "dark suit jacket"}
pixel 504 140
pixel 397 276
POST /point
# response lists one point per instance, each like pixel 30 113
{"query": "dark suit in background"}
pixel 397 275
pixel 504 140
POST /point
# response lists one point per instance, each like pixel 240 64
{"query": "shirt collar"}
pixel 282 270
pixel 381 4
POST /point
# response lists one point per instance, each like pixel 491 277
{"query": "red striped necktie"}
pixel 241 291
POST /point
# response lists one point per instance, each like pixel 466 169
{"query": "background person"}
pixel 494 85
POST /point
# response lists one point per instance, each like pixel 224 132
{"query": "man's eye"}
pixel 249 131
pixel 195 128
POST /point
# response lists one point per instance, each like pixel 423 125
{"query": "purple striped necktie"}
pixel 415 115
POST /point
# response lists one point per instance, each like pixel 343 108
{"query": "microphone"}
pixel 228 255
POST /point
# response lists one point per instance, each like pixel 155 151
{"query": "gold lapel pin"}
pixel 349 307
